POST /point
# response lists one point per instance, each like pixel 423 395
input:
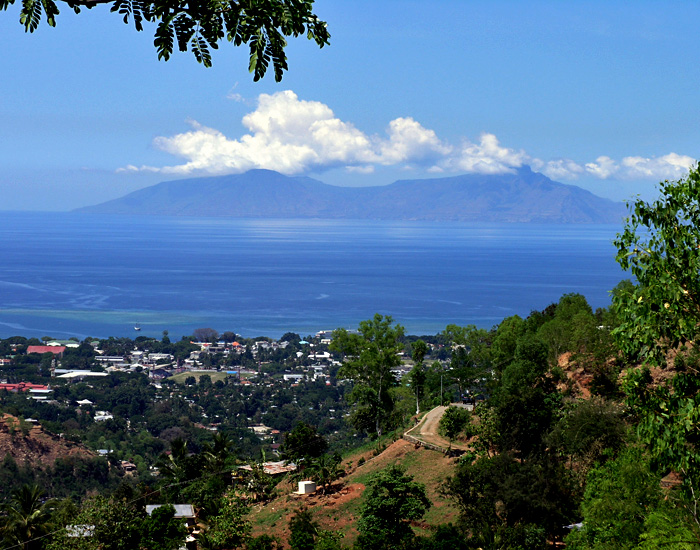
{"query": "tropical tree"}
pixel 453 421
pixel 162 531
pixel 303 530
pixel 27 518
pixel 470 355
pixel 303 443
pixel 201 26
pixel 392 499
pixel 660 246
pixel 326 469
pixel 370 355
pixel 419 350
pixel 114 525
pixel 228 529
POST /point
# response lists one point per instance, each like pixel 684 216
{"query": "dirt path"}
pixel 427 430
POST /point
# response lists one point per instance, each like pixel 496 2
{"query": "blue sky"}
pixel 599 94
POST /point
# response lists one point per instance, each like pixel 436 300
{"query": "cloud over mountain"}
pixel 294 136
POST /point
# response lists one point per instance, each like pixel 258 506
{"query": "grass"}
pixel 339 511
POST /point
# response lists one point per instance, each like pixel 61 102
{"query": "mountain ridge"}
pixel 522 196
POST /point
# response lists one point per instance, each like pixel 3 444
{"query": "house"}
pixel 66 343
pixel 56 350
pixel 36 391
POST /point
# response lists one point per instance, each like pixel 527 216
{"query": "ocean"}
pixel 69 274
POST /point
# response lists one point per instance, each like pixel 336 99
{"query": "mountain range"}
pixel 521 196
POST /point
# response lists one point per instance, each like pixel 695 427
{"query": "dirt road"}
pixel 427 430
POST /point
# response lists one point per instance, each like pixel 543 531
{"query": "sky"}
pixel 599 94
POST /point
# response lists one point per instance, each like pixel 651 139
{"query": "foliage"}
pixel 660 245
pixel 205 334
pixel 161 531
pixel 670 525
pixel 303 443
pixel 228 529
pixel 116 526
pixel 525 402
pixel 588 430
pixel 445 537
pixel 391 500
pixel 325 469
pixel 27 518
pixel 453 422
pixel 504 500
pixel 199 27
pixel 328 540
pixel 264 542
pixel 370 355
pixel 617 500
pixel 302 530
pixel 470 356
pixel 417 375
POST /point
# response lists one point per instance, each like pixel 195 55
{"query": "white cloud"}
pixel 485 157
pixel 603 167
pixel 560 169
pixel 671 166
pixel 294 136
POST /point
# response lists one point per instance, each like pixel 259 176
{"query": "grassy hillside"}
pixel 339 510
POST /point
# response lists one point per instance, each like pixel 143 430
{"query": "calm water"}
pixel 83 275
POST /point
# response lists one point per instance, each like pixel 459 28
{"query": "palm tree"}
pixel 27 518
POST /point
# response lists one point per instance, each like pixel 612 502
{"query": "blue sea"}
pixel 68 274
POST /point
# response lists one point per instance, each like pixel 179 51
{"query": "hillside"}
pixel 29 444
pixel 523 196
pixel 339 510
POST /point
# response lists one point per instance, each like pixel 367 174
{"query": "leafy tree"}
pixel 660 246
pixel 116 526
pixel 303 443
pixel 205 335
pixel 453 422
pixel 470 356
pixel 199 27
pixel 504 341
pixel 302 530
pixel 27 518
pixel 525 401
pixel 326 469
pixel 506 502
pixel 370 355
pixel 590 431
pixel 419 350
pixel 228 529
pixel 392 499
pixel 264 542
pixel 617 500
pixel 228 336
pixel 161 531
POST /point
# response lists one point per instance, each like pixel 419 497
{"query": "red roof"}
pixel 22 386
pixel 56 350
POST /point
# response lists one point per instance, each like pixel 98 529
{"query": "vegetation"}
pixel 263 26
pixel 580 427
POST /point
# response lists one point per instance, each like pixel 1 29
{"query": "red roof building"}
pixel 22 386
pixel 56 350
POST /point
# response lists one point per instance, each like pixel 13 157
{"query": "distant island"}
pixel 521 196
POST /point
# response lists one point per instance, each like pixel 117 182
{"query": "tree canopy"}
pixel 199 27
pixel 370 355
pixel 660 246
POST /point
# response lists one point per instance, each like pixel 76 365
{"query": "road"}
pixel 427 429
